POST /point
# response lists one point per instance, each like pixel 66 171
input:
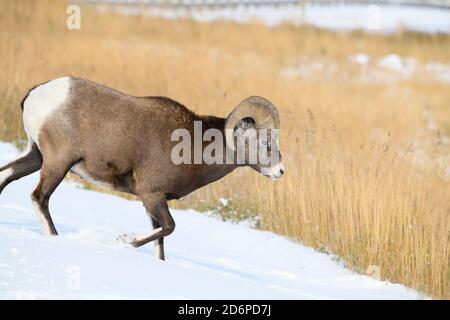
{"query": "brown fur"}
pixel 125 141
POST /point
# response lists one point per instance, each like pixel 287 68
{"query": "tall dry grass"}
pixel 365 177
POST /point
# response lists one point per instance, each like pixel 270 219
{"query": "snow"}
pixel 223 202
pixel 393 62
pixel 343 17
pixel 308 66
pixel 206 258
pixel 378 18
pixel 439 70
pixel 360 58
pixel 386 69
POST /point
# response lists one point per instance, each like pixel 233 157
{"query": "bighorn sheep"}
pixel 124 143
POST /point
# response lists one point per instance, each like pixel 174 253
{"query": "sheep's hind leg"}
pixel 51 177
pixel 162 221
pixel 29 162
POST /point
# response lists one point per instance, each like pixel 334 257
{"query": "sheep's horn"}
pixel 261 110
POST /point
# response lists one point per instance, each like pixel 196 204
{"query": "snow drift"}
pixel 206 258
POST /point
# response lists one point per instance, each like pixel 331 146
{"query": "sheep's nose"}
pixel 281 172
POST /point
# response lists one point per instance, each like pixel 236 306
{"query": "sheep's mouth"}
pixel 273 176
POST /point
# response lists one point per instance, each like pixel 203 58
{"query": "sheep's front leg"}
pixel 163 223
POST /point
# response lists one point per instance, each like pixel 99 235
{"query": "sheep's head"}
pixel 252 131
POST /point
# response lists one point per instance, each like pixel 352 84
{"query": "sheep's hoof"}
pixel 128 238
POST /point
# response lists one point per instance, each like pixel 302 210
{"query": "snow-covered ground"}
pixel 390 68
pixel 372 18
pixel 206 258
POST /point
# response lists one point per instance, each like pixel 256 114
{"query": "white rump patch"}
pixel 41 102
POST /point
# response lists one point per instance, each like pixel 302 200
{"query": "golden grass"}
pixel 364 174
